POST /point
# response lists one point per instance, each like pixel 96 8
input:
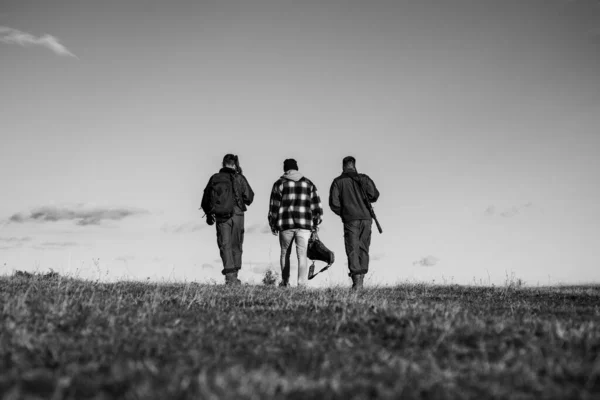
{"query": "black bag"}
pixel 317 251
pixel 222 196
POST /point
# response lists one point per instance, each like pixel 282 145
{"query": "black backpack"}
pixel 221 196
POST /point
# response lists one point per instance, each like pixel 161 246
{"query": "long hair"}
pixel 232 159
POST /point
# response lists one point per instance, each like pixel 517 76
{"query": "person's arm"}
pixel 316 207
pixel 334 198
pixel 247 192
pixel 274 204
pixel 370 188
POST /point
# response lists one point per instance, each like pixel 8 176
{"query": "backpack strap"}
pixel 359 190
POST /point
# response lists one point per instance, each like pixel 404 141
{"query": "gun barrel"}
pixel 378 226
pixel 369 205
pixel 376 221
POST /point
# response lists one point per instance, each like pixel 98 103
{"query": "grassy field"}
pixel 68 339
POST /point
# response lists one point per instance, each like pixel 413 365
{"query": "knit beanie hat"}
pixel 349 159
pixel 290 163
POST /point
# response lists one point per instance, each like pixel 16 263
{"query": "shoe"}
pixel 357 281
pixel 284 284
pixel 232 279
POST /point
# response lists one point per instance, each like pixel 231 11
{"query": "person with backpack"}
pixel 350 196
pixel 224 201
pixel 294 211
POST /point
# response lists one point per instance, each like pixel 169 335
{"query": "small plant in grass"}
pixel 270 278
pixel 512 282
pixel 49 275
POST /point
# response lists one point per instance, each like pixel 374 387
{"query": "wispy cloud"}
pixel 57 245
pixel 428 261
pixel 491 210
pixel 376 257
pixel 187 227
pixel 508 212
pixel 14 36
pixel 13 239
pixel 511 212
pixel 81 215
pixel 261 228
pixel 260 267
pixel 8 243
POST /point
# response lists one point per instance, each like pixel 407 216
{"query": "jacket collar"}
pixel 349 172
pixel 228 170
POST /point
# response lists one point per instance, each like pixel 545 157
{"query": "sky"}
pixel 477 120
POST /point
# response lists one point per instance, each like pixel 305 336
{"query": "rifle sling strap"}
pixel 361 190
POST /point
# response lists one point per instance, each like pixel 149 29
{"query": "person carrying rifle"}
pixel 350 197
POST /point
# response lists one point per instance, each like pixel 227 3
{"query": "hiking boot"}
pixel 357 281
pixel 232 279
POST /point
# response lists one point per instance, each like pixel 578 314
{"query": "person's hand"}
pixel 315 226
pixel 210 219
pixel 274 231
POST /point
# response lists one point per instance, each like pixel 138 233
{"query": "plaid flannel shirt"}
pixel 294 205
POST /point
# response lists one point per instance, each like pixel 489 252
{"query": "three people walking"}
pixel 295 210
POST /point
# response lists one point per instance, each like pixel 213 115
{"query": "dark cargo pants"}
pixel 357 238
pixel 230 238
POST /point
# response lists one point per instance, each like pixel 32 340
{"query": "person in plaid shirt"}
pixel 294 211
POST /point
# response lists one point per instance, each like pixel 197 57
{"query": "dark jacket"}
pixel 346 199
pixel 244 194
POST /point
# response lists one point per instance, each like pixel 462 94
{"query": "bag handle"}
pixel 313 236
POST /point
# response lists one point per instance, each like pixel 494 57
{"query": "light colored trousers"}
pixel 300 236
